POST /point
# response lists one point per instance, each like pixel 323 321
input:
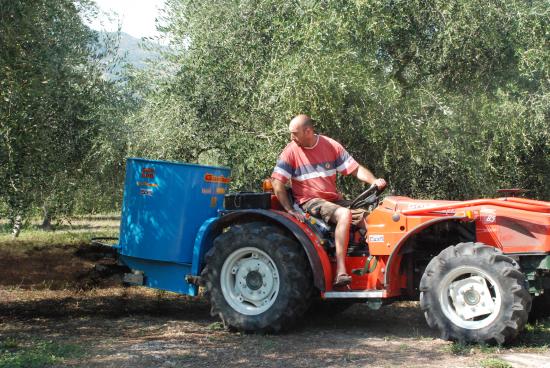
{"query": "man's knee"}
pixel 342 214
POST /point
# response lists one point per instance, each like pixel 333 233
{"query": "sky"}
pixel 137 17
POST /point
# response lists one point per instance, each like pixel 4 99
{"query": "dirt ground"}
pixel 50 294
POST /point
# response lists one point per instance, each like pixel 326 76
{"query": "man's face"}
pixel 298 134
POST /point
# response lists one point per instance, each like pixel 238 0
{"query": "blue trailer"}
pixel 167 210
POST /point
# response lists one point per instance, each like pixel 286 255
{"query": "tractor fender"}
pixel 392 268
pixel 317 257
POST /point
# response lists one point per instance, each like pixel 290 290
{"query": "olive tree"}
pixel 444 99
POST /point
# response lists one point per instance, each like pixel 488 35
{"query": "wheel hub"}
pixel 254 280
pixel 249 281
pixel 471 297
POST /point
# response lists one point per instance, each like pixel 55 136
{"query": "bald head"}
pixel 301 121
pixel 302 131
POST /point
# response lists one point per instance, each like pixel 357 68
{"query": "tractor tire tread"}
pixel 294 296
pixel 513 316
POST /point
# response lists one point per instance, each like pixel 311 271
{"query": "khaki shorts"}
pixel 324 209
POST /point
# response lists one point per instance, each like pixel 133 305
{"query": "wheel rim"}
pixel 470 298
pixel 250 281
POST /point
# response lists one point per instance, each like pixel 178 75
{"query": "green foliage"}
pixel 55 108
pixel 445 99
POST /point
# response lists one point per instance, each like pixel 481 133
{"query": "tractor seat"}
pixel 356 247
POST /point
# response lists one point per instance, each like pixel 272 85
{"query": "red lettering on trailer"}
pixel 148 172
pixel 211 178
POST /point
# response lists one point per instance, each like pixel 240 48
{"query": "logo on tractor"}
pixel 418 206
pixel 488 216
pixel 376 238
pixel 211 178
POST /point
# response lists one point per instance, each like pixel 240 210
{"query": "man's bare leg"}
pixel 342 218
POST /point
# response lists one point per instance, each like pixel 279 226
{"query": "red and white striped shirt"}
pixel 313 169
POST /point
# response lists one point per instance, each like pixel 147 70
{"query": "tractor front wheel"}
pixel 257 278
pixel 472 292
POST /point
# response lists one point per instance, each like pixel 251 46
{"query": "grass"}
pixel 403 347
pixel 79 230
pixel 536 336
pixel 35 354
pixel 458 348
pixel 494 363
pixel 267 342
pixel 215 326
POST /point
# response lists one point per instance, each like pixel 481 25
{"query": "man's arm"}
pixel 280 191
pixel 364 174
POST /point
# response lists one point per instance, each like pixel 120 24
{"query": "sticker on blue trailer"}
pixel 165 204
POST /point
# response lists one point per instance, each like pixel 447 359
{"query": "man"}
pixel 311 161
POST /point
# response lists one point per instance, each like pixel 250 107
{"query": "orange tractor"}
pixel 476 266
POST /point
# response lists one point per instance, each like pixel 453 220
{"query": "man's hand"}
pixel 299 216
pixel 366 176
pixel 380 183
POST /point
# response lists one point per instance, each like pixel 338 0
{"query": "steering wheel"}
pixel 367 198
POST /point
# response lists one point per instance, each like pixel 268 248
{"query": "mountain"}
pixel 135 54
pixel 130 51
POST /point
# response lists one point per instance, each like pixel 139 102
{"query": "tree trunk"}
pixel 46 220
pixel 17 226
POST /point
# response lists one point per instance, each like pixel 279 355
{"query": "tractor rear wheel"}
pixel 472 292
pixel 257 278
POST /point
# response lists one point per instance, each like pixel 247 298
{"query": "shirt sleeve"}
pixel 345 163
pixel 283 168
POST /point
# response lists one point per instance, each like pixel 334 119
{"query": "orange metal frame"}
pixel 515 225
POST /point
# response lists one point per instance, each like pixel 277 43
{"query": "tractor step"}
pixel 363 294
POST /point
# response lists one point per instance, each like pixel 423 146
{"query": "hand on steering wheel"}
pixel 380 183
pixel 369 196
